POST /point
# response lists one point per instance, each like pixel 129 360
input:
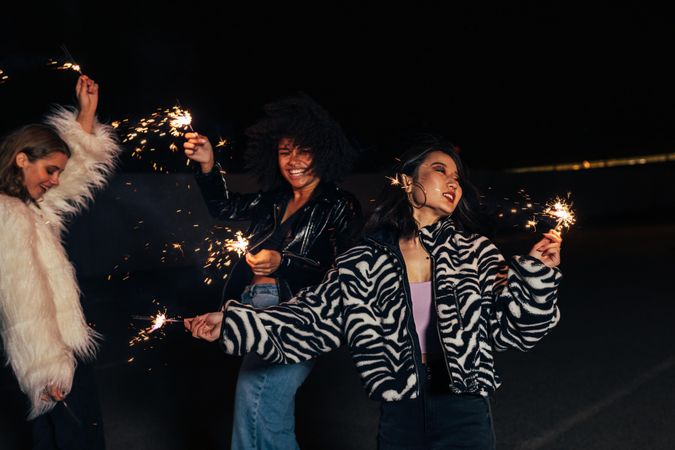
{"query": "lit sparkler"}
pixel 562 212
pixel 140 134
pixel 394 181
pixel 69 64
pixel 158 321
pixel 238 245
pixel 3 77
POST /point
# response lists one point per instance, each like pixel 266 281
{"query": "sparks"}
pixel 180 119
pixel 65 66
pixel 158 321
pixel 239 245
pixel 394 180
pixel 562 212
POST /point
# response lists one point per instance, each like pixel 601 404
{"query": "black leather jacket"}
pixel 326 226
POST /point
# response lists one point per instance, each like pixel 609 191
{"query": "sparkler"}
pixel 239 245
pixel 158 321
pixel 562 212
pixel 69 64
pixel 394 181
pixel 174 121
pixel 3 77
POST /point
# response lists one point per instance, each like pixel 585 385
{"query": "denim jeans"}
pixel 264 403
pixel 436 420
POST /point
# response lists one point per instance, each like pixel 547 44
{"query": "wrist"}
pixel 207 167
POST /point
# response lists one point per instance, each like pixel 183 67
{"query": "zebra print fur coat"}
pixel 364 301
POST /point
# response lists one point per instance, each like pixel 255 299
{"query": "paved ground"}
pixel 603 379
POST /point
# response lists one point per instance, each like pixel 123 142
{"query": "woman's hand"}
pixel 53 393
pixel 548 249
pixel 264 262
pixel 86 91
pixel 206 326
pixel 198 148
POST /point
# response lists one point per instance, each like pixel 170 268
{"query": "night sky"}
pixel 513 85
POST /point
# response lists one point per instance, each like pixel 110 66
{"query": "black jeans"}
pixel 437 419
pixel 77 426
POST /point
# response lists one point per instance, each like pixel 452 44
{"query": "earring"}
pixel 411 195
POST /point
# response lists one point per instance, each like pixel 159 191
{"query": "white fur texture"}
pixel 43 326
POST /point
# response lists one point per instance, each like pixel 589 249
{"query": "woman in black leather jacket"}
pixel 298 225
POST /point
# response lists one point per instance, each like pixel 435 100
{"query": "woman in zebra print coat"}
pixel 422 304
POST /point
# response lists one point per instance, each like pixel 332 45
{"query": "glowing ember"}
pixel 239 245
pixel 141 134
pixel 394 180
pixel 179 118
pixel 3 77
pixel 65 66
pixel 561 211
pixel 158 322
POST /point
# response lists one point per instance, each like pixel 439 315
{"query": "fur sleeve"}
pixel 33 343
pixel 92 160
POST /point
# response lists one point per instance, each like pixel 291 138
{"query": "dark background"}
pixel 516 84
pixel 513 85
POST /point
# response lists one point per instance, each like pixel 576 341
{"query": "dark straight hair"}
pixel 393 210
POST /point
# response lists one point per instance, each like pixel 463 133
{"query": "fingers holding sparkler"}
pixel 53 393
pixel 206 326
pixel 86 90
pixel 199 149
pixel 547 250
pixel 264 262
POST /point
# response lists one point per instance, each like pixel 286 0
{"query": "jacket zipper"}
pixel 459 311
pixel 433 296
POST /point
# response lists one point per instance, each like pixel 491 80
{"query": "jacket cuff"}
pixel 535 273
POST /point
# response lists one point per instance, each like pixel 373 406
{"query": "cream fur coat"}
pixel 41 320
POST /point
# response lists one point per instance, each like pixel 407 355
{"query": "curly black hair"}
pixel 310 126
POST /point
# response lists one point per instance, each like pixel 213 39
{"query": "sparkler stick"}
pixel 71 413
pixel 70 63
pixel 152 319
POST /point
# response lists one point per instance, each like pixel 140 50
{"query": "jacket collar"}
pixel 431 236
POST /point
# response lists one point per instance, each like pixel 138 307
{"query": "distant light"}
pixel 599 164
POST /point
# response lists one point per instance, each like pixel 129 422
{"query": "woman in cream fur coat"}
pixel 48 174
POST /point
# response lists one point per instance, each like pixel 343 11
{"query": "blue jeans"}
pixel 264 402
pixel 437 419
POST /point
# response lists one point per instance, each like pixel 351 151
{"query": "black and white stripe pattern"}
pixel 362 303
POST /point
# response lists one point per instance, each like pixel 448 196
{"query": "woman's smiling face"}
pixel 296 165
pixel 41 175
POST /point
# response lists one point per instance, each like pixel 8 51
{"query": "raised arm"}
pixel 221 203
pixel 94 148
